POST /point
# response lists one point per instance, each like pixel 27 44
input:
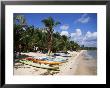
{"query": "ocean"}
pixel 87 65
pixel 90 54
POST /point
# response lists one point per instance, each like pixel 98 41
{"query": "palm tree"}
pixel 20 19
pixel 19 24
pixel 50 24
pixel 65 42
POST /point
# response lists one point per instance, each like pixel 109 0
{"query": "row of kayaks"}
pixel 54 59
pixel 40 61
pixel 62 54
pixel 45 66
pixel 43 62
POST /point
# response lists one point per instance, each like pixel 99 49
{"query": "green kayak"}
pixel 38 65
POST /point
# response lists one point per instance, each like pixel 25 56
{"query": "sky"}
pixel 80 27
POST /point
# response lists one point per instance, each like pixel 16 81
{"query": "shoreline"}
pixel 69 67
pixel 86 66
pixel 80 66
pixel 76 65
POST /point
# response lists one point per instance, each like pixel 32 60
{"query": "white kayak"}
pixel 46 66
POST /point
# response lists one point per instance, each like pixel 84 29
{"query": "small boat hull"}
pixel 38 65
pixel 43 61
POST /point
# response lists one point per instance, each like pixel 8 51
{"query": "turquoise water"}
pixel 90 54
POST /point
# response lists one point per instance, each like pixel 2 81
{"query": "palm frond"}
pixel 57 23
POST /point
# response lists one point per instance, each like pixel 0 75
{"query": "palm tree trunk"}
pixel 49 43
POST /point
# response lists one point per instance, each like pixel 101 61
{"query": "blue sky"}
pixel 81 27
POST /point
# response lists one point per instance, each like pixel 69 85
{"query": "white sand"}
pixel 76 65
pixel 34 54
pixel 22 69
pixel 69 67
pixel 86 67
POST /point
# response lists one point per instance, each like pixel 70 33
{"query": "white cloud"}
pixel 64 27
pixel 77 36
pixel 77 33
pixel 89 39
pixel 83 19
pixel 64 33
pixel 90 43
pixel 91 36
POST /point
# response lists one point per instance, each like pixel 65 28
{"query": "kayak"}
pixel 48 62
pixel 38 65
pixel 44 61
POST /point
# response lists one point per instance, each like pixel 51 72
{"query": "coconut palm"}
pixel 19 28
pixel 50 24
pixel 20 19
pixel 65 42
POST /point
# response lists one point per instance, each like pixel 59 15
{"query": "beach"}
pixel 86 67
pixel 77 64
pixel 43 49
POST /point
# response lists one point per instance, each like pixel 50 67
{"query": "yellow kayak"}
pixel 43 61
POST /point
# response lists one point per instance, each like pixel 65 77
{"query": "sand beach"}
pixel 45 46
pixel 76 65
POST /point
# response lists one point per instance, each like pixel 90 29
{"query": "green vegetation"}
pixel 27 38
pixel 50 23
pixel 87 48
